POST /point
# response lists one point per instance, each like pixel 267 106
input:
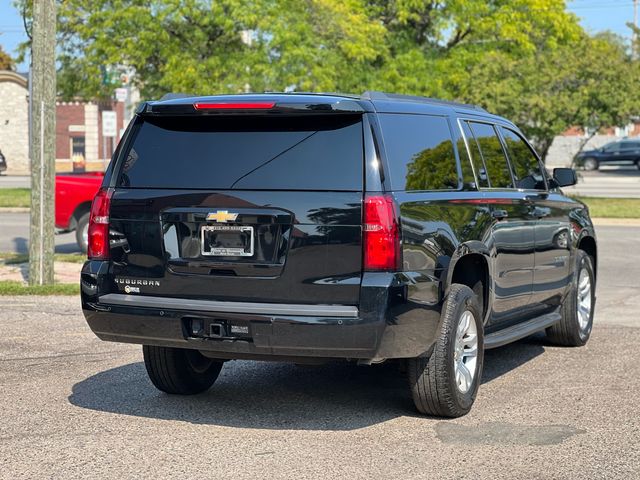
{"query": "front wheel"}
pixel 590 164
pixel 574 329
pixel 446 383
pixel 180 371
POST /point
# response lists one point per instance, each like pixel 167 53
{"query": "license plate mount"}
pixel 226 240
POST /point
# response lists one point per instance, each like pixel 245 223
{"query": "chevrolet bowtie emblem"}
pixel 222 216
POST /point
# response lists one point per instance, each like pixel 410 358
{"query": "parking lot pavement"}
pixel 621 182
pixel 73 406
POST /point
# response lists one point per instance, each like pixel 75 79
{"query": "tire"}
pixel 574 329
pixel 433 380
pixel 180 371
pixel 82 232
pixel 590 164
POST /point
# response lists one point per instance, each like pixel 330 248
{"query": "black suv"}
pixel 623 152
pixel 305 228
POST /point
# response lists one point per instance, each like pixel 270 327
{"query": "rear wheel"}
pixel 590 164
pixel 446 383
pixel 82 232
pixel 577 310
pixel 180 371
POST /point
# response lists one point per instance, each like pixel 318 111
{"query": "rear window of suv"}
pixel 267 152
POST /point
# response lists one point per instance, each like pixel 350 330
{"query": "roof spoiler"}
pixel 181 104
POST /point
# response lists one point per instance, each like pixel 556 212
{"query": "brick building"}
pixel 79 142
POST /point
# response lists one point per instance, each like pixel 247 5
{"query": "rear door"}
pixel 256 208
pixel 512 239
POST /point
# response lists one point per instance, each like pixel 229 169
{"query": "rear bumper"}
pixel 384 325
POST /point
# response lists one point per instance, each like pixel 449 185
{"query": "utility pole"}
pixel 43 142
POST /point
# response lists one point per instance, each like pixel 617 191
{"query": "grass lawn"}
pixel 15 197
pixel 15 258
pixel 612 207
pixel 18 288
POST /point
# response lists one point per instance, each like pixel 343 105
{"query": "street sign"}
pixel 121 94
pixel 109 123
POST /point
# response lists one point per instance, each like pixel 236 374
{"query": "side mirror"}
pixel 565 177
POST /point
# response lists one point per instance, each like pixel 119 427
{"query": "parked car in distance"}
pixel 621 152
pixel 308 228
pixel 74 194
pixel 3 162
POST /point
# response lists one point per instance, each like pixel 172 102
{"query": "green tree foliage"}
pixel 526 59
pixel 200 47
pixel 6 62
pixel 589 82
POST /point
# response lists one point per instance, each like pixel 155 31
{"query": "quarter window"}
pixel 420 151
pixel 493 155
pixel 525 164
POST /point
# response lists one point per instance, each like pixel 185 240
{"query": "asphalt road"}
pixel 72 406
pixel 622 182
pixel 14 235
pixel 15 181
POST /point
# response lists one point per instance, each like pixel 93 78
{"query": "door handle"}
pixel 540 212
pixel 499 214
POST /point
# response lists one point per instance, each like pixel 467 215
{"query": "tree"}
pixel 203 47
pixel 6 62
pixel 526 59
pixel 588 82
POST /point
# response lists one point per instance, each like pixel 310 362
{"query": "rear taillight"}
pixel 98 242
pixel 381 234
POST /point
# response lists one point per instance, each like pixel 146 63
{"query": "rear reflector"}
pixel 98 232
pixel 381 234
pixel 234 106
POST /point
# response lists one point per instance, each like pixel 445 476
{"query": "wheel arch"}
pixel 470 265
pixel 589 245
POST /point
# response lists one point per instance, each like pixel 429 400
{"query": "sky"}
pixel 595 16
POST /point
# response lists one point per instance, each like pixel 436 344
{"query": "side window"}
pixel 612 147
pixel 525 164
pixel 493 155
pixel 476 157
pixel 420 152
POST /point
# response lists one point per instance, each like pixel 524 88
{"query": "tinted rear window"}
pixel 420 151
pixel 278 153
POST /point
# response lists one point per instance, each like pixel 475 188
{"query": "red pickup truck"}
pixel 74 194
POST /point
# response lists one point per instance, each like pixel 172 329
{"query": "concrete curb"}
pixel 616 222
pixel 15 209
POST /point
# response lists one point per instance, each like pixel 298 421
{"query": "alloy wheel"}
pixel 466 351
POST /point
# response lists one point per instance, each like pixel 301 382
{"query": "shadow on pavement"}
pixel 22 246
pixel 336 396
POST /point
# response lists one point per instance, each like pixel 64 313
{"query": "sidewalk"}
pixel 65 272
